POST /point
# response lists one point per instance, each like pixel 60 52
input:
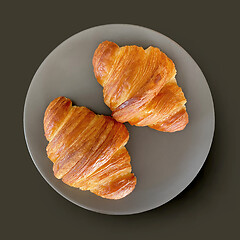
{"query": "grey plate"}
pixel 164 163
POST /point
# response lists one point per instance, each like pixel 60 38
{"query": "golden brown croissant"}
pixel 88 150
pixel 140 87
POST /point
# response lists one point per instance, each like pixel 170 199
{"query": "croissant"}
pixel 87 150
pixel 139 86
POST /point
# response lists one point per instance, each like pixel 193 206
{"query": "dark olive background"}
pixel 208 208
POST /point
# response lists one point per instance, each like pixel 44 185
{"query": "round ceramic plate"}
pixel 164 163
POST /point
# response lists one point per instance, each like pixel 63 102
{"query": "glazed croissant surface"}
pixel 87 150
pixel 139 86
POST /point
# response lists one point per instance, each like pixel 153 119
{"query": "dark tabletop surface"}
pixel 209 207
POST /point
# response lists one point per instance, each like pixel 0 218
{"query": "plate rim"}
pixel 83 205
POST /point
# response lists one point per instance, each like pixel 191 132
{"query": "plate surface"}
pixel 164 163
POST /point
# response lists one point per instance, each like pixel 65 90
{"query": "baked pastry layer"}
pixel 87 150
pixel 139 86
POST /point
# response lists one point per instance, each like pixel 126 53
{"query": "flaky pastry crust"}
pixel 87 150
pixel 139 86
